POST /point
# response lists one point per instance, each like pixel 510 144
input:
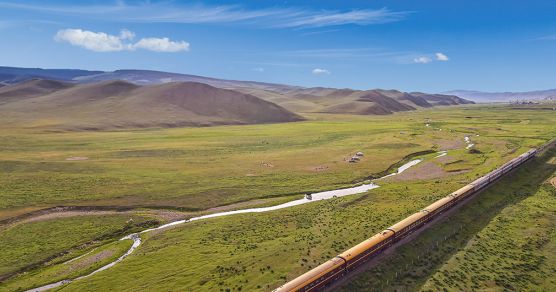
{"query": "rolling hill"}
pixel 349 101
pixel 143 98
pixel 31 88
pixel 120 104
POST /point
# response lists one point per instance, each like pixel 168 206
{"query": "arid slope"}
pixel 120 104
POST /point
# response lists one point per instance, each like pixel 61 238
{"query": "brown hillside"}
pixel 31 88
pixel 119 104
pixel 364 102
pixel 370 102
pixel 442 99
pixel 384 101
pixel 357 108
pixel 417 100
pixel 205 100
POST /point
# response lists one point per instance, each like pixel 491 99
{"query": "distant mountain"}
pixel 442 99
pixel 11 75
pixel 291 98
pixel 361 102
pixel 120 104
pixel 480 96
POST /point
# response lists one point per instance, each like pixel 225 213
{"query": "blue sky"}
pixel 409 45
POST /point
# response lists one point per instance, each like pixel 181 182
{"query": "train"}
pixel 335 268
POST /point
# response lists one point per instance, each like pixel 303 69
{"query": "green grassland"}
pixel 70 269
pixel 200 168
pixel 515 251
pixel 31 245
pixel 503 240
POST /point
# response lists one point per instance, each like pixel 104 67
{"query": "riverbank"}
pixel 320 196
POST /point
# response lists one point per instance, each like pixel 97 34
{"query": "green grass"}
pixel 502 240
pixel 515 251
pixel 30 245
pixel 84 265
pixel 199 168
pixel 261 251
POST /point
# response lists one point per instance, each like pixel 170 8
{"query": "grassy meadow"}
pixel 504 239
pixel 70 269
pixel 195 169
pixel 199 168
pixel 33 244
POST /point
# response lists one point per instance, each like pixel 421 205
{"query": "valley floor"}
pixel 159 175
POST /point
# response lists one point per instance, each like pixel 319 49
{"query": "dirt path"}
pixel 73 211
pixel 66 214
pixel 164 215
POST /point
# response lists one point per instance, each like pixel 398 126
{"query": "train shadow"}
pixel 410 265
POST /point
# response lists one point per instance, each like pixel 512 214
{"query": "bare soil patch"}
pixel 445 159
pixel 450 144
pixel 66 212
pixel 167 215
pixel 89 260
pixel 553 182
pixel 427 170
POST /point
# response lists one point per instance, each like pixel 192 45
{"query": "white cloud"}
pixel 173 12
pixel 441 57
pixel 103 42
pixel 161 45
pixel 320 71
pixel 334 18
pixel 126 34
pixel 422 60
pixel 258 69
pixel 94 41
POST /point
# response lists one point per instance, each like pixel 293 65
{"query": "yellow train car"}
pixel 317 277
pixel 368 248
pixel 440 205
pixel 335 268
pixel 462 192
pixel 407 225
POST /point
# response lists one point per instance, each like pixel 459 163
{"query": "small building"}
pixel 359 154
pixel 308 196
pixel 354 159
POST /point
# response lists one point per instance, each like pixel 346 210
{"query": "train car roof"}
pixel 461 191
pixel 407 221
pixel 439 203
pixel 311 275
pixel 479 180
pixel 365 245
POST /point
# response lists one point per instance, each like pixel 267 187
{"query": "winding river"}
pixel 314 197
